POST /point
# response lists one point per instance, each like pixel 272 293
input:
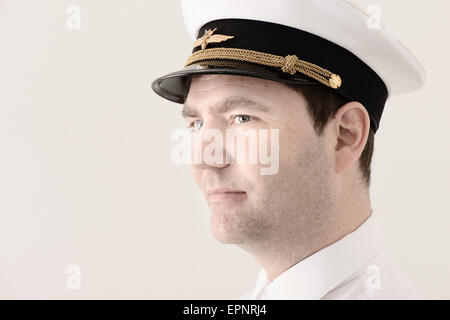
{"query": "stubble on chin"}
pixel 235 226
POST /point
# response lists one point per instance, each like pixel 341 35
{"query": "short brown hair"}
pixel 322 104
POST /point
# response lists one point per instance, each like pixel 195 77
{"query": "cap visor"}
pixel 174 86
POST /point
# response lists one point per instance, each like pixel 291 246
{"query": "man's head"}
pixel 319 167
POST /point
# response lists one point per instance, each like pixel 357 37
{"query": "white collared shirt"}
pixel 350 268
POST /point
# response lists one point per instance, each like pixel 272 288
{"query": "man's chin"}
pixel 226 233
pixel 233 226
pixel 228 239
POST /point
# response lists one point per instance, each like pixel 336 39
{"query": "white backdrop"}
pixel 85 171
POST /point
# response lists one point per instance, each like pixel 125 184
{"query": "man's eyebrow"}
pixel 228 105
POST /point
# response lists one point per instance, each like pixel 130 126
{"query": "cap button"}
pixel 335 81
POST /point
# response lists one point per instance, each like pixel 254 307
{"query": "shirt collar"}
pixel 319 273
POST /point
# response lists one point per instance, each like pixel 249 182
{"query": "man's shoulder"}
pixel 378 279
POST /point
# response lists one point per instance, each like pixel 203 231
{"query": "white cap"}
pixel 339 21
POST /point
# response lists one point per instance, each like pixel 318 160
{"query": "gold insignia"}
pixel 208 37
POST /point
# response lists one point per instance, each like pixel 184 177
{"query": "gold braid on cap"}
pixel 289 64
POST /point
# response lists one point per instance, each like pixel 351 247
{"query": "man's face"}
pixel 270 207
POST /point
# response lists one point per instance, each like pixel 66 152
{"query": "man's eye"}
pixel 197 124
pixel 242 118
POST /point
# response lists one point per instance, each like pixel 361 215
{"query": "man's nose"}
pixel 212 139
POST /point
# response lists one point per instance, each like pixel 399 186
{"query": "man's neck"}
pixel 277 254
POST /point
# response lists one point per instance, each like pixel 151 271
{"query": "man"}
pixel 319 75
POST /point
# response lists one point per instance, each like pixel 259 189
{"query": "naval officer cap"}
pixel 326 42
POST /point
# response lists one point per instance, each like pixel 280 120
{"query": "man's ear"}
pixel 351 129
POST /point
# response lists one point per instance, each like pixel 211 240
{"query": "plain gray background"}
pixel 85 171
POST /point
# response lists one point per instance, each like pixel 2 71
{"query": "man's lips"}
pixel 222 194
